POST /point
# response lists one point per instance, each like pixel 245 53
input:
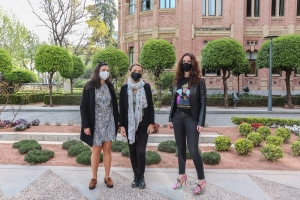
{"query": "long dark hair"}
pixel 195 74
pixel 95 78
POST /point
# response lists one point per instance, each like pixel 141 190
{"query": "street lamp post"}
pixel 270 74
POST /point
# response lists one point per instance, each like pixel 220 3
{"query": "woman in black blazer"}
pixel 99 119
pixel 136 120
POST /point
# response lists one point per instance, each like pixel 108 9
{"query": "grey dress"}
pixel 104 124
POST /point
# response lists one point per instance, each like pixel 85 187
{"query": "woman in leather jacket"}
pixel 187 116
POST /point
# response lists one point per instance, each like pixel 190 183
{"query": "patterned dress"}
pixel 104 124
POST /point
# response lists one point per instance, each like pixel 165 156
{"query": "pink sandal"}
pixel 200 189
pixel 179 183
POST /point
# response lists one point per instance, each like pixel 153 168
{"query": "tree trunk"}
pixel 158 92
pixel 288 87
pixel 224 77
pixel 50 89
pixel 71 83
pixel 238 84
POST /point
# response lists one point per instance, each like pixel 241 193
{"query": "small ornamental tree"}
pixel 224 54
pixel 5 62
pixel 51 59
pixel 156 56
pixel 285 56
pixel 116 59
pixel 77 70
pixel 20 76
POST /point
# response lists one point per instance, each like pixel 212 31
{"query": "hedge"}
pixel 263 101
pixel 24 98
pixel 265 121
pixel 63 99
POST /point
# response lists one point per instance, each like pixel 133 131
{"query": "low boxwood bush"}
pixel 24 98
pixel 255 138
pixel 125 152
pixel 66 145
pixel 77 149
pixel 295 148
pixel 275 140
pixel 222 143
pixel 38 156
pixel 118 146
pixel 29 146
pixel 264 131
pixel 266 121
pixel 168 146
pixel 243 146
pixel 63 99
pixel 245 129
pixel 84 158
pixel 211 158
pixel 152 157
pixel 188 155
pixel 272 152
pixel 17 145
pixel 284 133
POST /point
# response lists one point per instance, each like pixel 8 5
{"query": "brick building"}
pixel 190 24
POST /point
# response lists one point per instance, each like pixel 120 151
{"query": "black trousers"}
pixel 185 130
pixel 137 151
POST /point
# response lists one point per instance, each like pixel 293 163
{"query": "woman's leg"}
pixel 133 157
pixel 107 157
pixel 95 160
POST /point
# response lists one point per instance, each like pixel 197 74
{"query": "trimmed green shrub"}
pixel 152 157
pixel 84 158
pixel 38 156
pixel 264 131
pixel 222 143
pixel 118 146
pixel 245 129
pixel 246 101
pixel 284 133
pixel 295 148
pixel 299 138
pixel 167 146
pixel 243 146
pixel 63 99
pixel 24 98
pixel 275 140
pixel 125 152
pixel 77 149
pixel 272 152
pixel 66 145
pixel 211 158
pixel 266 121
pixel 29 146
pixel 17 145
pixel 188 155
pixel 255 138
pixel 166 99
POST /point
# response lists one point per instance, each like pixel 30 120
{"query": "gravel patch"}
pixel 276 190
pixel 211 192
pixel 122 190
pixel 49 186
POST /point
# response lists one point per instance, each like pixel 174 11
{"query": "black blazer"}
pixel 148 117
pixel 87 111
pixel 197 101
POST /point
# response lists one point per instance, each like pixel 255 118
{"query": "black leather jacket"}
pixel 197 101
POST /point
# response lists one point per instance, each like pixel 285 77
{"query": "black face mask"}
pixel 136 76
pixel 186 67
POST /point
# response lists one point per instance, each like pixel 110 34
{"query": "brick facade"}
pixel 188 29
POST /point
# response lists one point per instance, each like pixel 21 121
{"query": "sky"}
pixel 23 11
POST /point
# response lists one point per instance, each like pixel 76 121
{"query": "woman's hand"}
pixel 87 131
pixel 150 129
pixel 123 131
pixel 199 128
pixel 170 125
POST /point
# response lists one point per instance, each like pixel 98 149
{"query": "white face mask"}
pixel 104 75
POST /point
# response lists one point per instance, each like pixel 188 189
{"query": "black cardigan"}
pixel 87 111
pixel 148 117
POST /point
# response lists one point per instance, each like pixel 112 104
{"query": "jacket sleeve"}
pixel 122 106
pixel 84 108
pixel 150 105
pixel 202 105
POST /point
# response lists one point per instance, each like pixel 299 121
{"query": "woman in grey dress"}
pixel 99 118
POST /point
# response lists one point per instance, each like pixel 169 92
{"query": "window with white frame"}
pixel 277 8
pixel 212 7
pixel 146 5
pixel 211 72
pixel 131 7
pixel 252 8
pixel 251 56
pixel 167 4
pixel 131 55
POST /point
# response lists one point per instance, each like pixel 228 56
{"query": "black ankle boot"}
pixel 142 184
pixel 135 182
